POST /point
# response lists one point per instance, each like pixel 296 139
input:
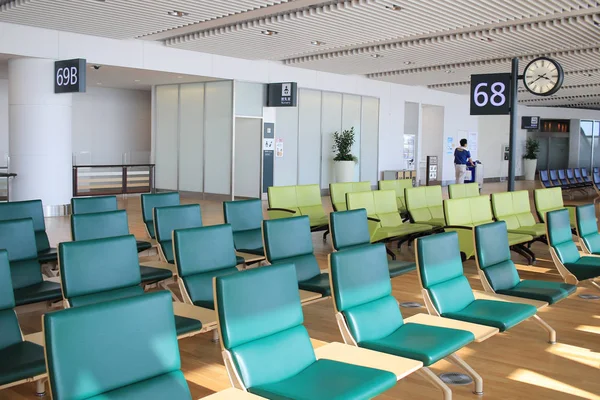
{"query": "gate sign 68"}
pixel 69 76
pixel 490 94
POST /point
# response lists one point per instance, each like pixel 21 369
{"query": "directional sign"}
pixel 490 94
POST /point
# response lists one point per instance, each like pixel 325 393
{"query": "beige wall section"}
pixel 191 137
pixel 309 136
pixel 432 128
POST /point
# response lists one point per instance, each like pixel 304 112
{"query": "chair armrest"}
pixel 470 228
pixel 282 209
pixel 232 394
pixel 481 332
pixel 373 219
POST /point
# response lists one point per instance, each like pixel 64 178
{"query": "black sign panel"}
pixel 530 123
pixel 69 76
pixel 282 94
pixel 268 155
pixel 490 94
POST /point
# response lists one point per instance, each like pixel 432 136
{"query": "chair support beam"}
pixel 477 379
pixel 433 378
pixel 548 328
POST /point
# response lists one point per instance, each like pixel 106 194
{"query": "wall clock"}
pixel 543 76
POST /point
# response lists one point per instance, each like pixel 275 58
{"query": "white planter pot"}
pixel 344 171
pixel 529 167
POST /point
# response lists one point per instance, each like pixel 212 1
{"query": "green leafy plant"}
pixel 342 145
pixel 532 147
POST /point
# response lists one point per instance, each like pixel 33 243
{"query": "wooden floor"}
pixel 519 364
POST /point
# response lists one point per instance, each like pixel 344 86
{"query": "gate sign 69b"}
pixel 490 94
pixel 69 76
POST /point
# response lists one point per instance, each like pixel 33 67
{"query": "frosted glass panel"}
pixel 286 167
pixel 191 131
pixel 167 99
pixel 331 121
pixel 370 140
pixel 309 137
pixel 351 118
pixel 218 132
pixel 249 99
pixel 247 157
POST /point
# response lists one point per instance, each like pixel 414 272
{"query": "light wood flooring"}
pixel 519 364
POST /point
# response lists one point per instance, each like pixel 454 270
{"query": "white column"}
pixel 39 135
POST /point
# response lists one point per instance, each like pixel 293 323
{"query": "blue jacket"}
pixel 461 155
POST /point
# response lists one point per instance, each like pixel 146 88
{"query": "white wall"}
pixel 3 121
pixel 432 130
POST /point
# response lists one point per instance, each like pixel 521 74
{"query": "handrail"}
pixel 87 182
pixel 113 165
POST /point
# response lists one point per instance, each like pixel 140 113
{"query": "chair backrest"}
pixel 103 347
pixel 153 200
pixel 288 240
pixel 468 211
pixel 386 208
pixel 554 177
pixel 463 190
pixel 243 215
pixel 587 228
pixel 261 324
pixel 99 225
pixel 28 209
pixel 560 237
pixel 547 200
pixel 201 254
pixel 168 219
pixel 18 239
pixel 361 200
pixel 441 272
pixel 363 293
pixel 349 228
pixel 596 179
pixel 514 208
pixel 584 172
pixel 283 197
pixel 544 179
pixel 337 192
pixel 578 176
pixel 493 255
pixel 424 203
pixel 398 185
pixel 571 175
pixel 86 205
pixel 93 267
pixel 562 176
pixel 9 325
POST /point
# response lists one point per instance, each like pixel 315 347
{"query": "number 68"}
pixel 497 99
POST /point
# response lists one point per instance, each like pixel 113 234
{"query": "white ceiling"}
pixel 434 43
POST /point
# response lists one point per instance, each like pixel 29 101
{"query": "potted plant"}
pixel 344 160
pixel 532 147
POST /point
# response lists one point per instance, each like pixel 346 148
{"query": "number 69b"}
pixel 66 76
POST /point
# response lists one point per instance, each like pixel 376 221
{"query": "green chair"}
pixel 153 200
pixel 385 222
pixel 397 185
pixel 267 350
pixel 424 205
pixel 463 190
pixel 290 201
pixel 110 224
pixel 369 316
pixel 31 209
pixel 100 270
pixel 98 204
pixel 122 349
pixel 18 238
pixel 587 229
pixel 549 200
pixel 200 255
pixel 350 229
pixel 514 209
pixel 22 361
pixel 464 214
pixel 570 264
pixel 447 292
pixel 337 192
pixel 245 218
pixel 288 241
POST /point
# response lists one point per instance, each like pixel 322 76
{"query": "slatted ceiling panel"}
pixel 121 19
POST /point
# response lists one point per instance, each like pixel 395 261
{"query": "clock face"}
pixel 543 76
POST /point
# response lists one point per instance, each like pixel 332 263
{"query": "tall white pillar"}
pixel 39 135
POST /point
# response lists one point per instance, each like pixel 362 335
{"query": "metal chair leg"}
pixel 433 378
pixel 477 379
pixel 596 284
pixel 390 253
pixel 40 387
pixel 548 328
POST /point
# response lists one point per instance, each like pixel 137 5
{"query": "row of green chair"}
pixel 463 190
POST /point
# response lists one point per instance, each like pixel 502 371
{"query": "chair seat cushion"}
pixel 317 284
pixel 425 343
pixel 170 386
pixel 48 256
pixel 249 241
pixel 239 260
pixel 550 292
pixel 43 291
pixel 20 361
pixel 329 380
pixel 316 222
pixel 585 268
pixel 398 268
pixel 151 274
pixel 389 232
pixel 518 238
pixel 143 246
pixel 533 230
pixel 436 222
pixel 185 325
pixel 500 314
pixel 106 295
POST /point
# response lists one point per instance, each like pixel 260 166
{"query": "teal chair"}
pixel 245 218
pixel 369 316
pixel 570 264
pixel 31 209
pixel 18 238
pixel 587 229
pixel 98 204
pixel 110 224
pixel 350 229
pixel 100 270
pixel 114 350
pixel 288 240
pixel 152 200
pixel 267 350
pixel 167 219
pixel 447 292
pixel 22 361
pixel 200 255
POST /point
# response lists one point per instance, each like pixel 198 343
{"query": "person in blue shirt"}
pixel 462 157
